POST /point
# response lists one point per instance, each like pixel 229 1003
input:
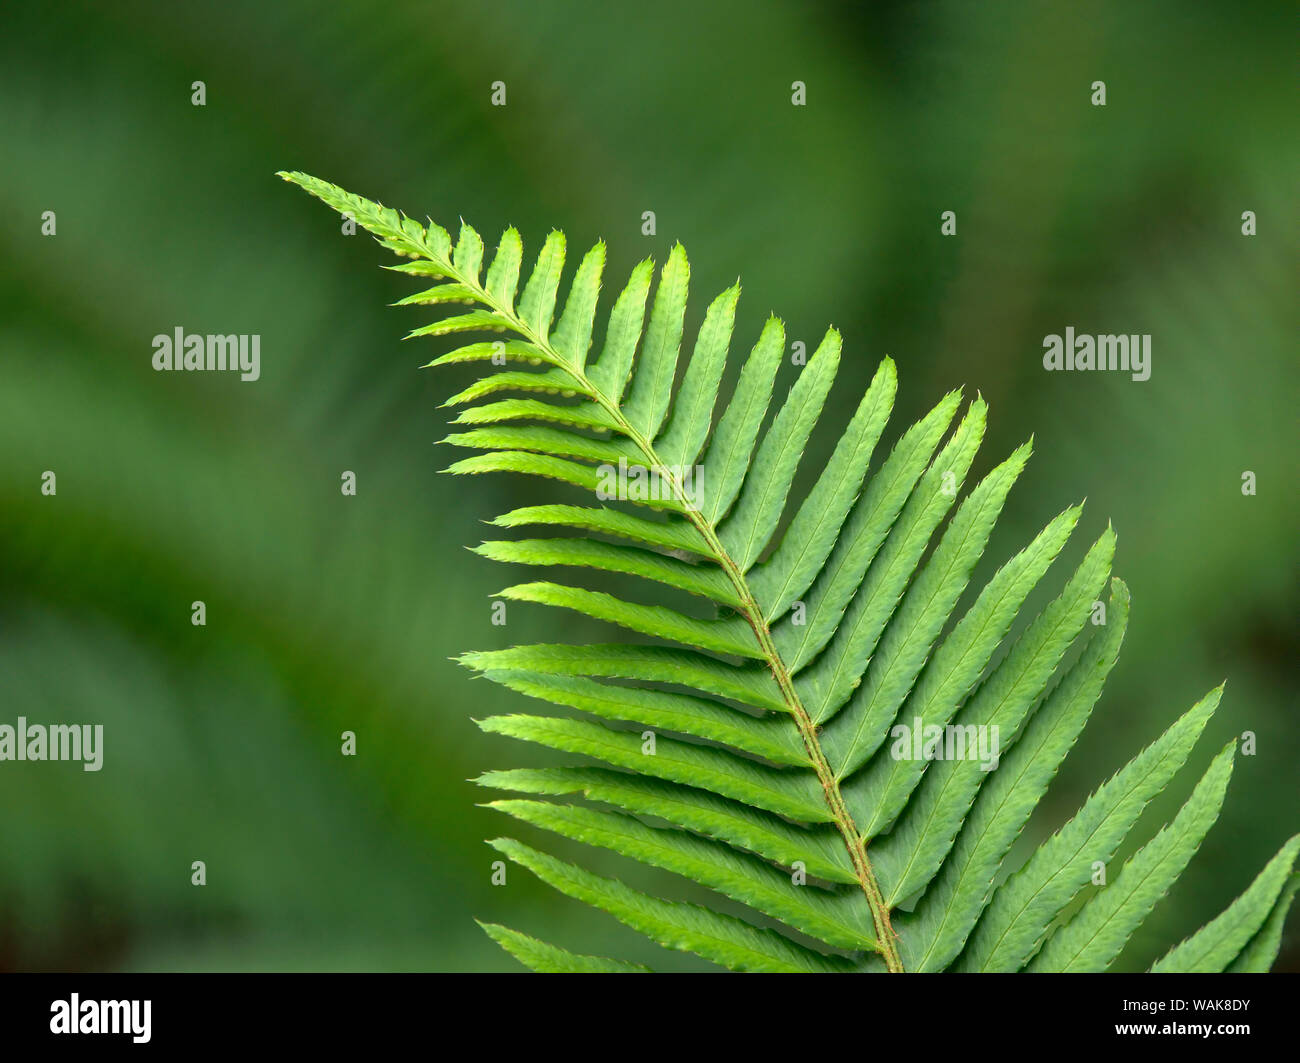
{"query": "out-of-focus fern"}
pixel 779 781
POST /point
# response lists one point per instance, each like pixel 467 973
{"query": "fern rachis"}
pixel 823 644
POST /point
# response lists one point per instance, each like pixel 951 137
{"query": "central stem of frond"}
pixel 886 938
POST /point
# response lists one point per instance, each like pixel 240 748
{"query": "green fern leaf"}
pixel 694 579
pixel 1097 932
pixel 573 333
pixel 550 959
pixel 1025 906
pixel 652 382
pixel 1261 950
pixel 693 407
pixel 831 918
pixel 537 303
pixel 821 851
pixel 939 926
pixel 728 456
pixel 831 679
pixel 1220 942
pixel 779 580
pixel 724 939
pixel 868 524
pixel 770 737
pixel 745 531
pixel 773 741
pixel 793 795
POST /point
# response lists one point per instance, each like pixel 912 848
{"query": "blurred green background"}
pixel 327 613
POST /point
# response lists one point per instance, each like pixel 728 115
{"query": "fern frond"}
pixel 550 959
pixel 776 744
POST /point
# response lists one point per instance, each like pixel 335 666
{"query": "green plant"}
pixel 781 789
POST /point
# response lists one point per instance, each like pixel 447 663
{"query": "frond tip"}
pixel 820 734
